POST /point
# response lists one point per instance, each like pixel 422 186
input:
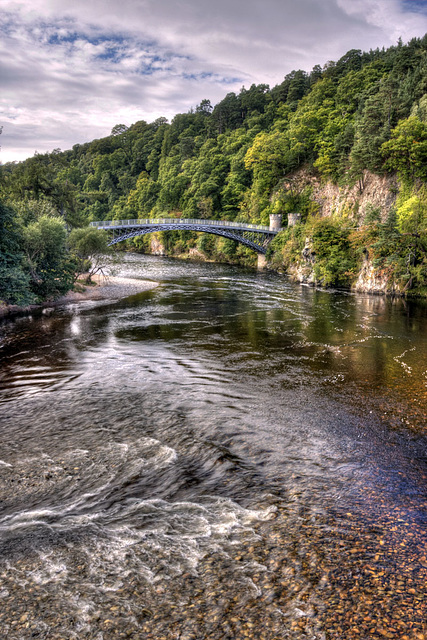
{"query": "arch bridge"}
pixel 254 236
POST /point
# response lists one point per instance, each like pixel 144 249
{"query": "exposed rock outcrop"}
pixel 371 192
pixel 195 254
pixel 157 248
pixel 304 271
pixel 373 280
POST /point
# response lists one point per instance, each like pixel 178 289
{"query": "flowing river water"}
pixel 229 455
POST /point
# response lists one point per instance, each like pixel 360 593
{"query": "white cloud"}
pixel 70 71
pixel 388 16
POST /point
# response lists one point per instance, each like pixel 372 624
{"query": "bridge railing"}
pixel 156 221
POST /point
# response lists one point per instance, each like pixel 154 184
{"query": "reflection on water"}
pixel 226 428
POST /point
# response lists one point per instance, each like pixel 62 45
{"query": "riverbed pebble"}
pixel 312 588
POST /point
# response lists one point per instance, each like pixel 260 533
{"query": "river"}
pixel 229 455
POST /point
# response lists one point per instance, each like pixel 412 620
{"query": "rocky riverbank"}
pixel 103 288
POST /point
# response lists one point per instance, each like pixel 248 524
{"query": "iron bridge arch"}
pixel 256 237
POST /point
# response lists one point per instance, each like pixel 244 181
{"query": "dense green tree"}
pixel 294 87
pixel 143 198
pixel 227 114
pixel 335 262
pixel 89 247
pixel 14 281
pixel 406 151
pixel 50 266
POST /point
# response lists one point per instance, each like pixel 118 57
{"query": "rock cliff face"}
pixel 157 248
pixel 304 272
pixel 374 191
pixel 195 254
pixel 371 280
pixel 378 192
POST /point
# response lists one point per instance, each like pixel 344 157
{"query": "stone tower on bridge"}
pixel 275 221
pixel 275 225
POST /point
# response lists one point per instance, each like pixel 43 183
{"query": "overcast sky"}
pixel 72 69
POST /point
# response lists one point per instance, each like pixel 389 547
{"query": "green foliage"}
pixel 206 245
pixel 142 199
pixel 14 281
pixel 88 241
pixel 412 215
pixel 372 215
pixel 34 262
pixel 286 248
pixel 50 266
pixel 293 198
pixel 227 248
pixel 90 250
pixel 28 211
pixel 335 264
pixel 406 151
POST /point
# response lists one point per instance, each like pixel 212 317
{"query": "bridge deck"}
pixel 225 224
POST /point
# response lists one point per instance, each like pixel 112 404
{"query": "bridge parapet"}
pixel 102 224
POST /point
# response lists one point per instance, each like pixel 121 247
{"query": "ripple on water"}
pixel 91 532
pixel 214 460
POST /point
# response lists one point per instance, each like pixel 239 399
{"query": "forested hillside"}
pixel 242 159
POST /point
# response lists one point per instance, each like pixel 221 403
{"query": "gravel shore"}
pixel 104 288
pixel 108 288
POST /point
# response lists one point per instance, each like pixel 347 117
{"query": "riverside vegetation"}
pixel 257 152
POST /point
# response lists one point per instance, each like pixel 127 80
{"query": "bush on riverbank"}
pixel 38 261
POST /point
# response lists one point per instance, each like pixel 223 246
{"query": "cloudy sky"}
pixel 72 69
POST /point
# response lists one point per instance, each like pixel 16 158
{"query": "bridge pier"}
pixel 262 261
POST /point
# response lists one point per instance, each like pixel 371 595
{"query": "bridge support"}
pixel 262 261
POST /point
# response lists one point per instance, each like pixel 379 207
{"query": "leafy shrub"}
pixel 335 263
